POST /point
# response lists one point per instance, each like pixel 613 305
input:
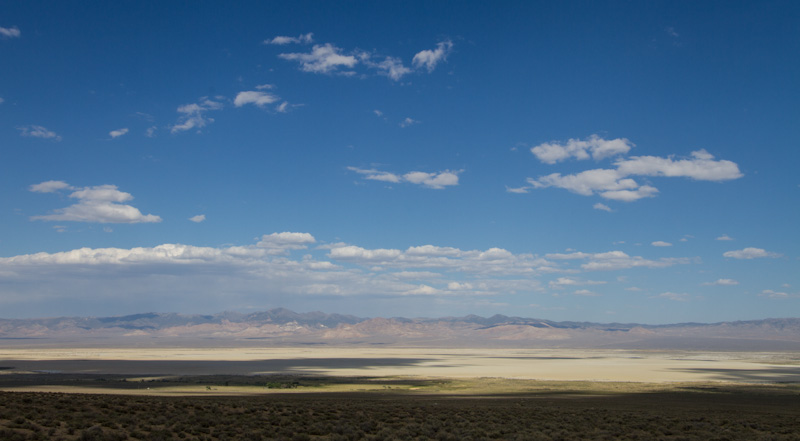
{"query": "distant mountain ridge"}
pixel 283 326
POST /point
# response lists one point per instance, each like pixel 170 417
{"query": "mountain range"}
pixel 284 327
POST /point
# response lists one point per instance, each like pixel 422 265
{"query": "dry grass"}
pixel 409 409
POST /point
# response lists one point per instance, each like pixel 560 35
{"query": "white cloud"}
pixel 618 184
pixel 594 147
pixel 150 132
pixel 701 166
pixel 750 253
pixel 566 281
pixel 616 260
pixel 49 187
pixel 254 97
pixel 661 243
pixel 586 293
pixel 265 86
pixel 281 243
pixel 281 40
pixel 118 133
pixel 35 131
pixel 199 218
pixel 604 207
pixel 281 108
pixel 193 116
pixel 325 58
pixel 440 180
pixel 607 183
pixel 682 297
pixel 12 32
pixel 430 58
pixel 101 204
pixel 408 122
pixel 391 67
pixel 724 237
pixel 2 100
pixel 722 282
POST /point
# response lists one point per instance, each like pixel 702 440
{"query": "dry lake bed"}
pixel 427 363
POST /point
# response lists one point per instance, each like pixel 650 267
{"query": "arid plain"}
pixel 407 362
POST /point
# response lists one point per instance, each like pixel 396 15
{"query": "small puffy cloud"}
pixel 661 243
pixel 100 204
pixel 682 297
pixel 777 294
pixel 323 58
pixel 724 237
pixel 606 183
pixel 281 243
pixel 603 207
pixel 722 282
pixel 281 40
pixel 618 183
pixel 118 133
pixel 750 253
pixel 12 32
pixel 193 116
pixel 594 147
pixel 254 97
pixel 377 113
pixel 562 282
pixel 408 122
pixel 282 107
pixel 440 180
pixel 391 67
pixel 197 219
pixel 150 132
pixel 428 59
pixel 701 166
pixel 49 187
pixel 35 131
pixel 586 293
pixel 616 260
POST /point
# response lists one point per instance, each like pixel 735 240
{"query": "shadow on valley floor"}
pixel 208 367
pixel 784 374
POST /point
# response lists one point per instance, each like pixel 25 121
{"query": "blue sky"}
pixel 598 161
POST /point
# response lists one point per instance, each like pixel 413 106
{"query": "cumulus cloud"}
pixel 281 243
pixel 281 40
pixel 606 183
pixel 724 237
pixel 35 131
pixel 257 98
pixel 676 297
pixel 777 294
pixel 722 282
pixel 408 122
pixel 661 243
pixel 118 133
pixel 323 58
pixel 49 187
pixel 12 32
pixel 391 67
pixel 750 253
pixel 329 59
pixel 701 166
pixel 616 260
pixel 618 183
pixel 440 180
pixel 603 207
pixel 428 59
pixel 197 219
pixel 285 265
pixel 594 147
pixel 561 282
pixel 193 116
pixel 99 204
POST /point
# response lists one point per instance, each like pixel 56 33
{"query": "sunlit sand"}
pixel 549 364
